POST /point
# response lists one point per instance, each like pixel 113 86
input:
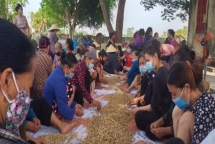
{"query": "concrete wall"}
pixel 210 27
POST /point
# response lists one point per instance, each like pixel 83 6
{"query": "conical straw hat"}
pixel 111 48
pixel 54 27
pixel 96 44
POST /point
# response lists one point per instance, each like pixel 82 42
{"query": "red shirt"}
pixel 79 79
pixel 128 62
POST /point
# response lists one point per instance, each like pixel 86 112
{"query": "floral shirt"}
pixel 79 79
pixel 204 111
pixel 70 89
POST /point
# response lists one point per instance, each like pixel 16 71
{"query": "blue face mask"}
pixel 143 69
pixel 149 66
pixel 181 103
pixel 69 76
pixel 90 66
pixel 128 51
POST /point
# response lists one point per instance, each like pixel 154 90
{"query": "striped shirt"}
pixel 43 70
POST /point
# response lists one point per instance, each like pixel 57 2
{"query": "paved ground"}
pixel 211 79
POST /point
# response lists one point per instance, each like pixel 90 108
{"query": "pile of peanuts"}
pixel 110 127
pixel 113 80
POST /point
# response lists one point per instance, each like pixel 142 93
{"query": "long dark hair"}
pixel 70 44
pixel 182 73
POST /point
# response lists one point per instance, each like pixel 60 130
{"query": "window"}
pixel 201 16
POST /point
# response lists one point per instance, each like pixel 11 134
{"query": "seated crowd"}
pixel 36 90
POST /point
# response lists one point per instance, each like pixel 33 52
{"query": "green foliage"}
pixel 182 32
pixel 77 12
pixel 38 21
pixel 7 10
pixel 172 8
pixel 130 32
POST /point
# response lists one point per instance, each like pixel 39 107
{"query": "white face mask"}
pixel 21 12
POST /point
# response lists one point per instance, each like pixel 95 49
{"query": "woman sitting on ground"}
pixel 63 104
pixel 128 58
pixel 193 115
pixel 133 72
pixel 41 113
pixel 158 94
pixel 147 75
pixel 112 64
pixel 163 127
pixel 120 54
pixel 16 80
pixel 82 79
pixel 99 69
pixel 58 51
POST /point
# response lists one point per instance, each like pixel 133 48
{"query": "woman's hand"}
pixel 134 101
pixel 142 101
pixel 134 111
pixel 157 124
pixel 31 127
pixel 159 132
pixel 36 121
pixel 97 104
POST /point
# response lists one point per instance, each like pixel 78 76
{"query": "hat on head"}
pixel 111 48
pixel 96 44
pixel 54 27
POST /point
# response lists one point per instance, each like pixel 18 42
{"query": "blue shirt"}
pixel 133 72
pixel 55 89
pixel 30 116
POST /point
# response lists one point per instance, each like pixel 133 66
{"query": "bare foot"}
pixel 67 127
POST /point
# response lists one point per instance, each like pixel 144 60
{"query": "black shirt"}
pixel 160 96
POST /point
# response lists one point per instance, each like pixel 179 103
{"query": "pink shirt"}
pixel 167 49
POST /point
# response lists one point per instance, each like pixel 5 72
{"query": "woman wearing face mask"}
pixel 127 58
pixel 15 81
pixel 58 51
pixel 20 20
pixel 198 119
pixel 133 72
pixel 146 78
pixel 82 79
pixel 43 68
pixel 62 103
pixel 159 95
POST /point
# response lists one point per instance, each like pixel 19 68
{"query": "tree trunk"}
pixel 106 15
pixel 119 20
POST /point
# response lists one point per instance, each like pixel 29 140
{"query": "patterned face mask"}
pixel 17 110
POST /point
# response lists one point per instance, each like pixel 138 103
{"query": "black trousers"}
pixel 78 94
pixel 175 141
pixel 144 118
pixel 42 110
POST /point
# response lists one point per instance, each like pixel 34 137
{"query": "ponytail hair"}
pixel 68 59
pixel 148 31
pixel 182 73
pixel 153 48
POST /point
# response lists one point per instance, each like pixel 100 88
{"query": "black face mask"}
pixel 58 53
